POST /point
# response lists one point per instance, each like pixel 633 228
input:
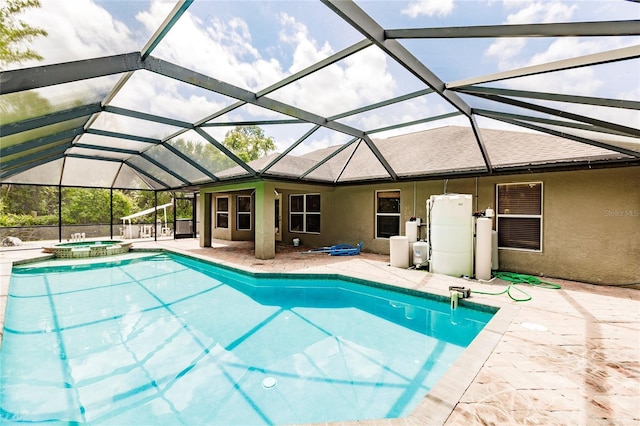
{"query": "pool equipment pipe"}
pixel 457 293
pixel 455 296
pixel 465 291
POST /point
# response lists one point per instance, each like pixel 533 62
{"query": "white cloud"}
pixel 306 51
pixel 156 14
pixel 578 81
pixel 405 112
pixel 569 47
pixel 225 50
pixel 632 94
pixel 77 29
pixel 506 50
pixel 217 48
pixel 539 12
pixel 429 8
pixel 585 81
pixel 362 78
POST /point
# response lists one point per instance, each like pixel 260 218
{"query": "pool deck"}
pixel 567 356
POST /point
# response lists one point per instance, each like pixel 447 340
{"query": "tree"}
pixel 249 142
pixel 14 32
pixel 26 199
pixel 22 105
pixel 85 206
pixel 203 153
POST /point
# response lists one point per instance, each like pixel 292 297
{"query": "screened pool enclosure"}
pixel 138 96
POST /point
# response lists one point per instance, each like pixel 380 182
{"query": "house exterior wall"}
pixel 327 202
pixel 242 235
pixel 217 232
pixel 591 227
pixel 231 233
pixel 285 189
pixel 591 221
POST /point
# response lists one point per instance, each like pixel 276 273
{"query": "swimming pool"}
pixel 169 339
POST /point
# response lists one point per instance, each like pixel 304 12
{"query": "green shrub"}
pixel 11 219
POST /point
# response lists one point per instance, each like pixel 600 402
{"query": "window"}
pixel 243 212
pixel 519 216
pixel 304 213
pixel 387 214
pixel 222 212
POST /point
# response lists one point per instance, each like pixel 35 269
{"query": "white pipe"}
pixel 414 199
pixel 476 209
pixel 455 295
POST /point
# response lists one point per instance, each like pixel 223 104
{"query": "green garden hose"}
pixel 516 279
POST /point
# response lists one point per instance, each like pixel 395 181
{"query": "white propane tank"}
pixel 399 251
pixel 420 253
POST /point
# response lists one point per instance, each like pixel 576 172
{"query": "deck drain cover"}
pixel 534 326
pixel 269 382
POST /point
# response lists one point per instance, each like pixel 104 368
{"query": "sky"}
pixel 253 44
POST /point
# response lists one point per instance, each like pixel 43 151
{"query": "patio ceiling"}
pixel 153 115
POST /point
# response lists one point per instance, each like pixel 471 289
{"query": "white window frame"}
pixel 398 214
pixel 243 213
pixel 305 213
pixel 524 216
pixel 222 212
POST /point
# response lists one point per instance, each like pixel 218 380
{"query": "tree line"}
pixel 31 205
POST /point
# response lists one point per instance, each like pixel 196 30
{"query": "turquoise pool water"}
pixel 167 339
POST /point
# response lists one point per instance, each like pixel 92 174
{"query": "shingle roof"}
pixel 453 149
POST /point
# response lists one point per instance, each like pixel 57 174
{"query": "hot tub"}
pixel 89 248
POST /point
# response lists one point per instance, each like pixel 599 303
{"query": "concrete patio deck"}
pixel 566 357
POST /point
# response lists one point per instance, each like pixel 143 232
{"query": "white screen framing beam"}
pixel 565 29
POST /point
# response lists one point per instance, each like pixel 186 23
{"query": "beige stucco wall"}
pixel 327 201
pixel 231 233
pixel 263 214
pixel 591 227
pixel 220 233
pixel 591 220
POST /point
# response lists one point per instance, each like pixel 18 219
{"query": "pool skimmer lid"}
pixel 269 382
